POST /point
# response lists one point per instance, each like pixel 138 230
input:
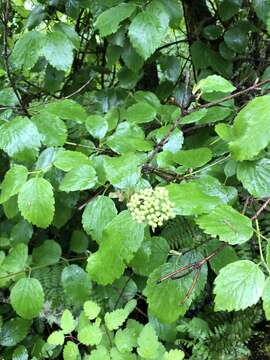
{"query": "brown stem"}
pixel 261 209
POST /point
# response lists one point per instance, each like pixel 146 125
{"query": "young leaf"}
pixel 116 318
pixel 52 129
pixel 67 322
pixel 214 83
pixel 255 177
pixel 14 179
pixel 148 343
pixel 90 335
pixel 36 202
pixel 238 286
pixel 228 224
pixel 108 22
pixel 97 214
pixel 174 355
pixel 91 309
pixel 100 353
pixel 16 259
pixel 56 338
pixel 27 298
pixel 82 177
pixel 125 340
pixel 71 351
pixel 121 238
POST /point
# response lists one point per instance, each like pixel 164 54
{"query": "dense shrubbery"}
pixel 135 179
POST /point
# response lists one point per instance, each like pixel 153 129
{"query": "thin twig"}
pixel 261 209
pixel 260 246
pixel 79 90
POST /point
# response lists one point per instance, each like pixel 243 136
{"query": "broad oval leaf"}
pixel 97 214
pixel 66 160
pixel 255 177
pixel 79 178
pixel 36 202
pixel 238 286
pixel 27 298
pixel 228 224
pixel 250 135
pixel 14 179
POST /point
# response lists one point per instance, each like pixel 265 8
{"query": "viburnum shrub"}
pixel 135 179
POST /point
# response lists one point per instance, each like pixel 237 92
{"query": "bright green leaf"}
pixel 82 177
pixel 148 343
pixel 91 309
pixel 14 179
pixel 27 298
pixel 97 126
pixel 238 286
pixel 90 335
pixel 67 160
pixel 56 338
pixel 67 322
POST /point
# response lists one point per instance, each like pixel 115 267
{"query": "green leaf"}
pixel 52 129
pixel 56 338
pixel 16 259
pixel 100 353
pixel 14 331
pixel 67 160
pixel 262 9
pixel 27 50
pixel 238 286
pixel 174 355
pixel 266 299
pixel 67 322
pixel 116 355
pixel 108 22
pixel 58 50
pixel 223 258
pixel 141 112
pixel 97 214
pixel 193 158
pixel 123 171
pixel 148 343
pixel 198 202
pixel 228 224
pixel 21 232
pixel 214 83
pixel 117 317
pixel 68 110
pixel 76 283
pixel 20 139
pixel 36 202
pixel 27 298
pixel 91 309
pixel 71 351
pixel 229 8
pixel 125 340
pixel 97 126
pixel 250 135
pixel 175 140
pixel 90 335
pixel 128 138
pixel 148 29
pixel 255 177
pixel 82 177
pixel 47 254
pixel 8 97
pixel 20 353
pixel 79 241
pixel 14 179
pixel 164 299
pixel 120 239
pixel 151 255
pixel 236 38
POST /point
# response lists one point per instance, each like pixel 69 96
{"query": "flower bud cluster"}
pixel 151 206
